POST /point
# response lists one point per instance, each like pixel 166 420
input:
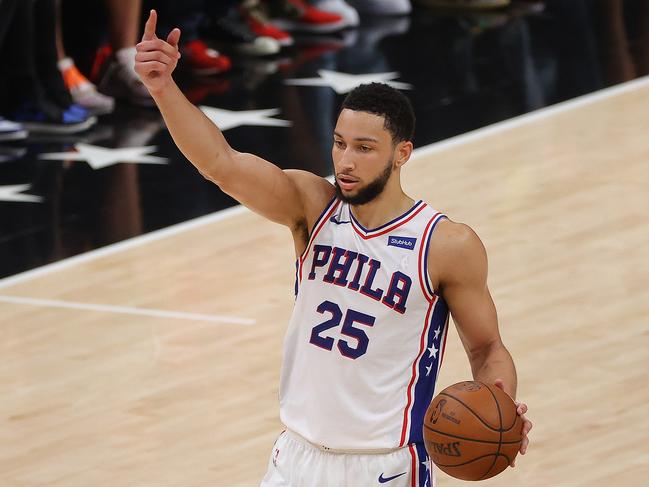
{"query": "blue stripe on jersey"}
pixel 427 246
pixel 297 277
pixel 428 365
pixel 366 230
pixel 424 467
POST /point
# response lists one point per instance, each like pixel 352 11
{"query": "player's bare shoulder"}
pixel 455 239
pixel 455 253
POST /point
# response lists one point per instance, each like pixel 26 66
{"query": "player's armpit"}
pixel 315 192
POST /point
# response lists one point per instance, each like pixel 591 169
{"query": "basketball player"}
pixel 377 275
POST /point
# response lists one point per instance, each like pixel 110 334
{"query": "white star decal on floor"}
pixel 100 157
pixel 433 351
pixel 12 193
pixel 344 83
pixel 229 119
pixel 437 333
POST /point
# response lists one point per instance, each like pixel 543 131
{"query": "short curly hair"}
pixel 387 102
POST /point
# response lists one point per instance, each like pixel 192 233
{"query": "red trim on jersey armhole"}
pixel 316 230
pixel 422 248
pixel 415 470
pixel 422 347
pixel 392 228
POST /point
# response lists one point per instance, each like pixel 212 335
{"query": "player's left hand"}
pixel 521 409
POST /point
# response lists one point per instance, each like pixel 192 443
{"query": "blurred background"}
pixel 86 161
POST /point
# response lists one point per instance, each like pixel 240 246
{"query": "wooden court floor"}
pixel 96 395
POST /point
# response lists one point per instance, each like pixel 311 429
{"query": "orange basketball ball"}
pixel 472 430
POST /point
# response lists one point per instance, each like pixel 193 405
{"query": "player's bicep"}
pixel 264 188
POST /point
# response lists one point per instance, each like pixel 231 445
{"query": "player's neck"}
pixel 387 206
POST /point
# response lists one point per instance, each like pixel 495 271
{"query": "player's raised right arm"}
pixel 256 183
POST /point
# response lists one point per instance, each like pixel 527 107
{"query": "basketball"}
pixel 472 430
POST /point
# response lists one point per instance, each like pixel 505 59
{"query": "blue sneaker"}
pixel 78 110
pixel 47 118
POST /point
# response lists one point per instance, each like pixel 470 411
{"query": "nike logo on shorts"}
pixel 383 480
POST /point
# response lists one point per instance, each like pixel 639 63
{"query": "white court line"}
pixel 158 313
pixel 419 152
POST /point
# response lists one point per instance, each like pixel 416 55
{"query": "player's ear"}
pixel 403 151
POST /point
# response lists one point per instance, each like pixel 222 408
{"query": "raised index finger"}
pixel 149 27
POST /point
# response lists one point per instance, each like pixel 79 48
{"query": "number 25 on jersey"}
pixel 353 348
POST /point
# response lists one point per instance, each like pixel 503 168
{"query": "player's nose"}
pixel 346 161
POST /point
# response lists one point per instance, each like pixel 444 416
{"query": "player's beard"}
pixel 369 192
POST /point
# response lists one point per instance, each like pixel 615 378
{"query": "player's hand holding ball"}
pixel 156 59
pixel 473 431
pixel 521 409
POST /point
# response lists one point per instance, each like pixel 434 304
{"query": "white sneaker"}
pixel 382 7
pixel 259 46
pixel 340 7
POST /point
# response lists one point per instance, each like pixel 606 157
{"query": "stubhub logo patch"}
pixel 402 242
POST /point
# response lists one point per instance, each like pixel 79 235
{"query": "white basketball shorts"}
pixel 295 462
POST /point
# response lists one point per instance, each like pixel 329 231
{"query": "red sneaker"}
pixel 254 14
pixel 102 56
pixel 297 15
pixel 203 60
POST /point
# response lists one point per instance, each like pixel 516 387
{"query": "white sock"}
pixel 65 63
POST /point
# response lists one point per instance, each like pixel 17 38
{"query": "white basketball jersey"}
pixel 366 338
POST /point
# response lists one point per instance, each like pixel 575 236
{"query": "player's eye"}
pixel 365 148
pixel 339 143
